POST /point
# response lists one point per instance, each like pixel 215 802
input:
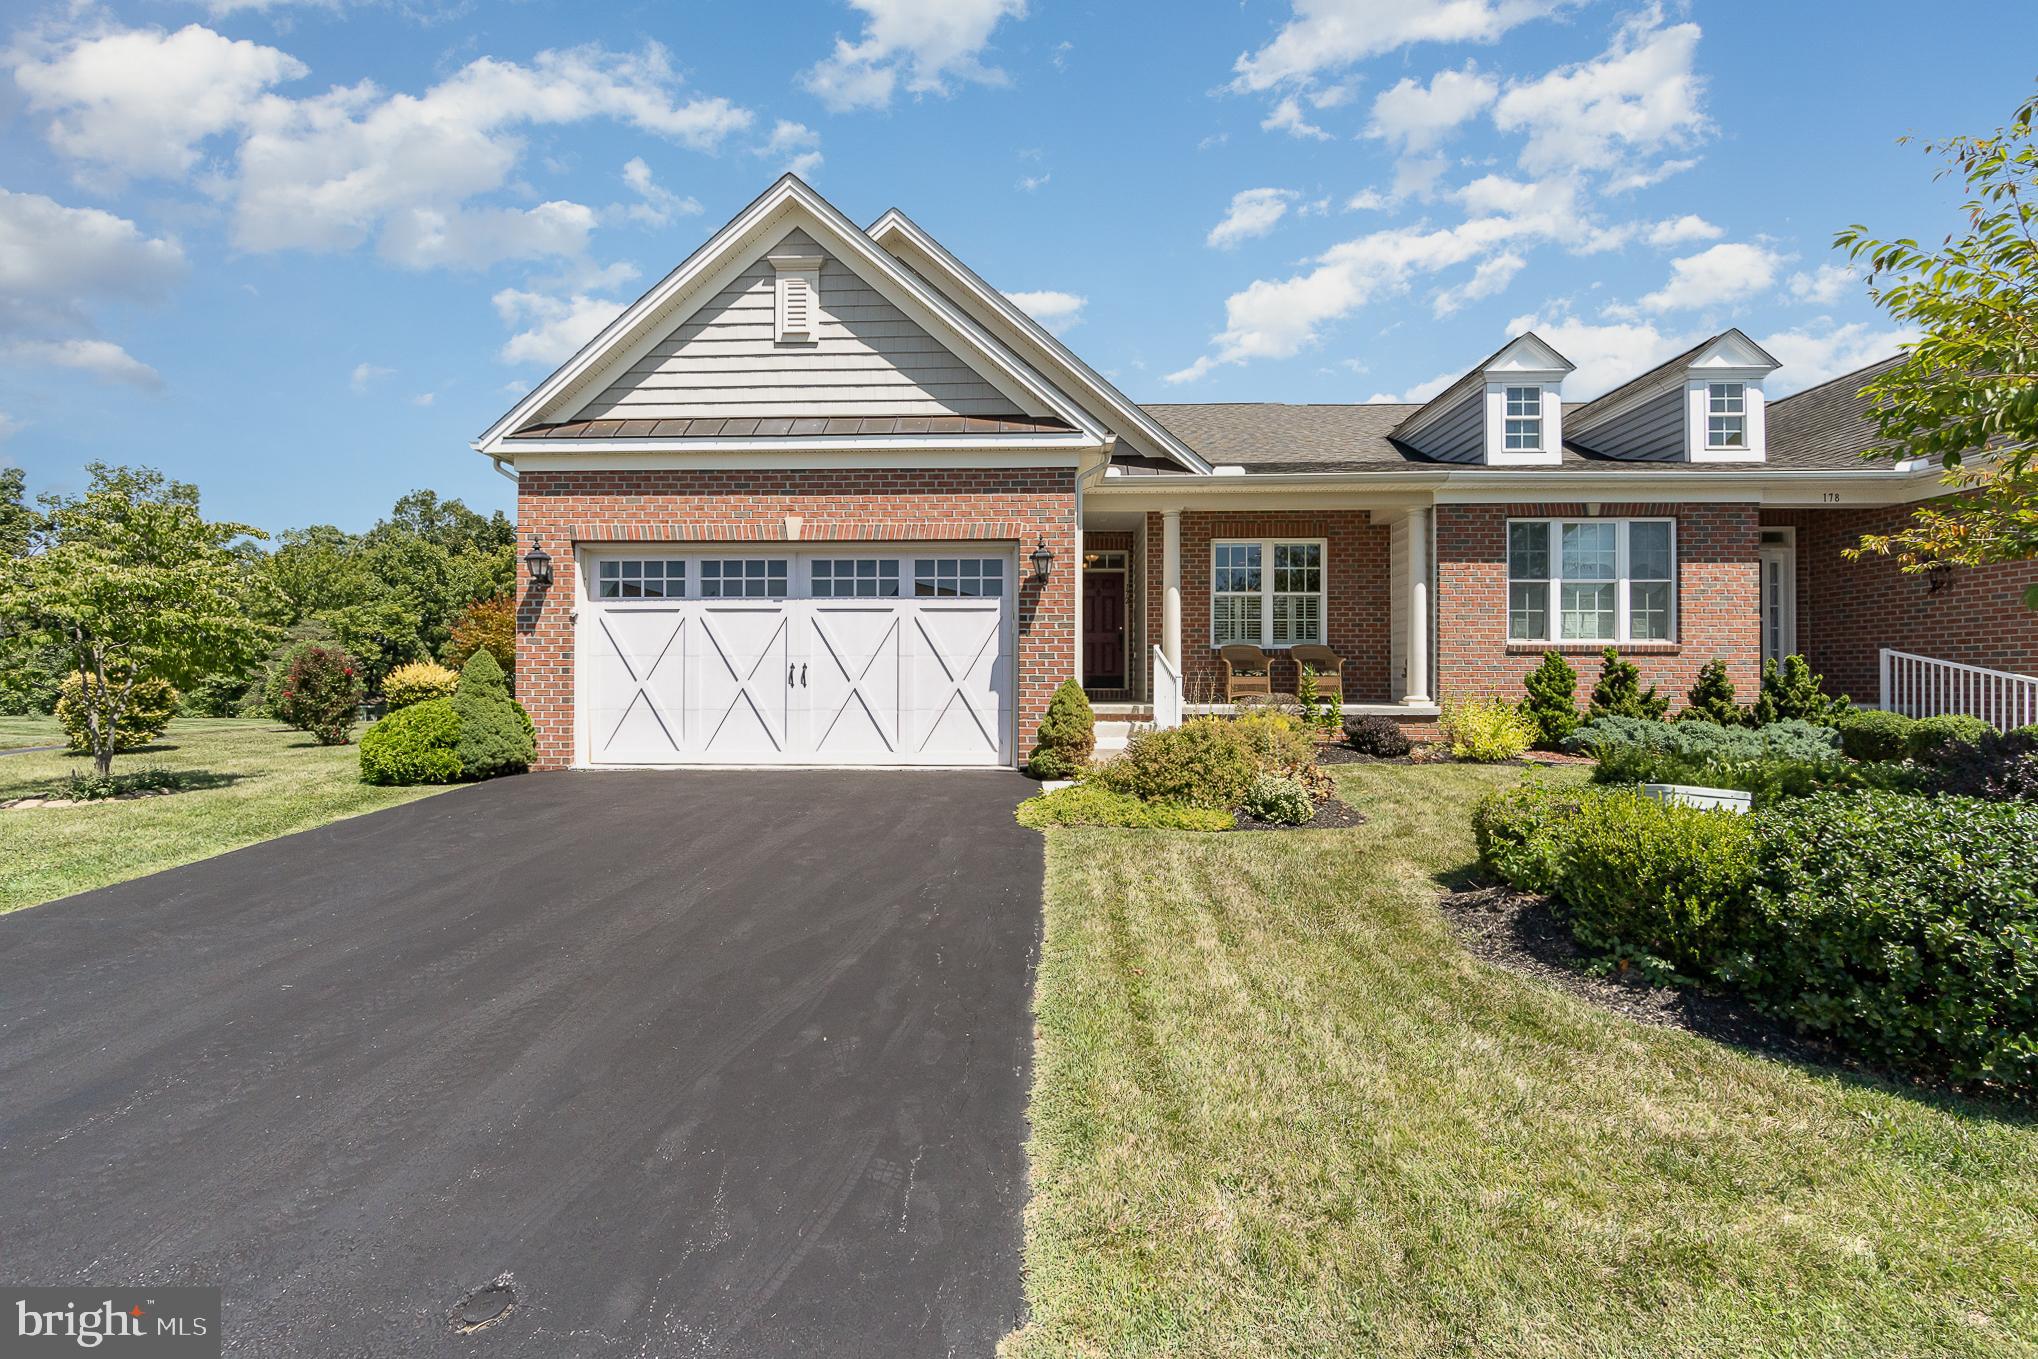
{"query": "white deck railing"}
pixel 1167 691
pixel 1919 686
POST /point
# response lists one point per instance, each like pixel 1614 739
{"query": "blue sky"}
pixel 301 253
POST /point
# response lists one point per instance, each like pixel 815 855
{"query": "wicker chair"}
pixel 1247 673
pixel 1329 668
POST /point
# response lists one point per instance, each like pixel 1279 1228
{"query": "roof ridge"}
pixel 1842 377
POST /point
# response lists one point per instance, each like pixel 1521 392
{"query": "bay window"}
pixel 1266 592
pixel 1591 580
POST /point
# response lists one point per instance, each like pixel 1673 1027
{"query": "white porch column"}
pixel 1417 642
pixel 1171 587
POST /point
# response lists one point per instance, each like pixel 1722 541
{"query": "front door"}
pixel 1778 555
pixel 1104 629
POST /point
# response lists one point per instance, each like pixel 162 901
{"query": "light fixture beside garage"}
pixel 539 563
pixel 1043 561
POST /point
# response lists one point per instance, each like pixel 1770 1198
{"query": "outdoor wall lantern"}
pixel 1043 561
pixel 540 563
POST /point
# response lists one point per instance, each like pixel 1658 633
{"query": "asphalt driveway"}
pixel 705 1063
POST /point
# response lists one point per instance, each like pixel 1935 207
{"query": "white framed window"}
pixel 1524 429
pixel 1267 593
pixel 640 578
pixel 1726 415
pixel 959 577
pixel 855 578
pixel 743 578
pixel 1591 580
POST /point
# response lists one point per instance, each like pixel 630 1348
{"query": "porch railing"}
pixel 1167 691
pixel 1919 686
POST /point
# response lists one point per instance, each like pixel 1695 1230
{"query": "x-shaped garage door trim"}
pixel 956 677
pixel 855 682
pixel 746 682
pixel 640 685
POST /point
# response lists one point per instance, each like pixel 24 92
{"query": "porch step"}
pixel 1112 736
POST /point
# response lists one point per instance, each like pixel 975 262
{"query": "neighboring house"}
pixel 823 495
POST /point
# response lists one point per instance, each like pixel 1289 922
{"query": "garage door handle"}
pixel 788 677
pixel 803 675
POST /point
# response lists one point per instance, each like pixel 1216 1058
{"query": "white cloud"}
pixel 55 263
pixel 1811 356
pixel 1368 200
pixel 1287 116
pixel 554 328
pixel 1638 98
pixel 924 43
pixel 1029 183
pixel 424 398
pixel 1678 230
pixel 1725 273
pixel 1491 277
pixel 366 375
pixel 1326 35
pixel 1415 118
pixel 1825 285
pixel 658 204
pixel 138 102
pixel 1606 354
pixel 795 144
pixel 1253 212
pixel 1058 311
pixel 101 358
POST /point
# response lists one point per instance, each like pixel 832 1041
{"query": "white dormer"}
pixel 1705 405
pixel 796 308
pixel 1506 412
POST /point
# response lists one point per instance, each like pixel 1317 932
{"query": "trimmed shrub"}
pixel 495 732
pixel 1280 800
pixel 1552 702
pixel 1931 737
pixel 1205 762
pixel 1280 740
pixel 2002 766
pixel 1656 882
pixel 1067 736
pixel 1619 692
pixel 321 694
pixel 1792 690
pixel 1906 928
pixel 417 681
pixel 150 706
pixel 1090 805
pixel 1871 734
pixel 1712 698
pixel 417 744
pixel 1486 731
pixel 1381 737
pixel 1522 832
pixel 1604 737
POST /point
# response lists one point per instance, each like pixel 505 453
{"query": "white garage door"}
pixel 833 656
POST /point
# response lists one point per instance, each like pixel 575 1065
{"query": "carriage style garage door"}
pixel 902 655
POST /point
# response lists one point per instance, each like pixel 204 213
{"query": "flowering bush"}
pixel 320 694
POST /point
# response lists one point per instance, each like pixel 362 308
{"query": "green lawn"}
pixel 272 781
pixel 1279 1111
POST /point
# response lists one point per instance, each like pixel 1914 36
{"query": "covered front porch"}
pixel 1170 576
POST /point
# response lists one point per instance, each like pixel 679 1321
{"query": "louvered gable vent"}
pixel 798 289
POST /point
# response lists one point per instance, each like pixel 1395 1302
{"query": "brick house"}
pixel 824 496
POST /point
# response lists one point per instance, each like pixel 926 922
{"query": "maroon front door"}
pixel 1104 629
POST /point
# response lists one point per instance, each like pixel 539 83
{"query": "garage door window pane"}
pixel 959 577
pixel 849 578
pixel 637 578
pixel 747 578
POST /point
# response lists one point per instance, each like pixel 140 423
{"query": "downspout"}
pixel 509 472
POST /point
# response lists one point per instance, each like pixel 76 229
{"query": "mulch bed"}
pixel 1330 815
pixel 1518 931
pixel 1335 754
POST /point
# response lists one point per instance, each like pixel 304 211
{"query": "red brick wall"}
pixel 1848 611
pixel 889 504
pixel 1355 585
pixel 1718 593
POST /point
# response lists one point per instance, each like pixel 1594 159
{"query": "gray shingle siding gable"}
pixel 1459 435
pixel 1652 431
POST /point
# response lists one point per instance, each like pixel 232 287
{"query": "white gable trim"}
pixel 1146 435
pixel 745 239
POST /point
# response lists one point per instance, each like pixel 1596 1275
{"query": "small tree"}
pixel 1552 702
pixel 1970 381
pixel 487 625
pixel 1619 692
pixel 321 694
pixel 1067 736
pixel 129 580
pixel 1792 690
pixel 1712 698
pixel 495 733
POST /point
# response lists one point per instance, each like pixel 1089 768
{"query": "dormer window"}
pixel 1524 432
pixel 1726 415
